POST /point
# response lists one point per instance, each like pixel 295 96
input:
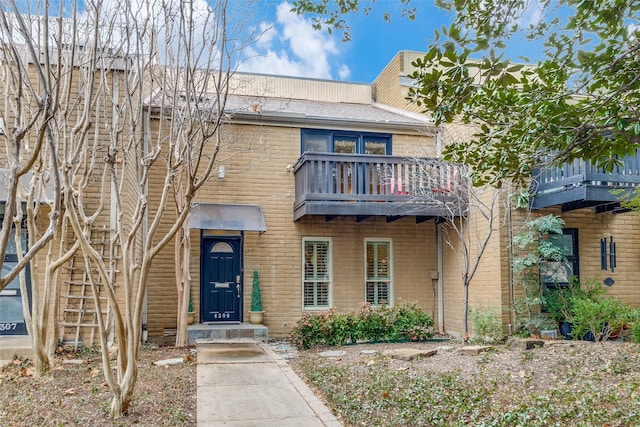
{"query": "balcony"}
pixel 580 184
pixel 362 185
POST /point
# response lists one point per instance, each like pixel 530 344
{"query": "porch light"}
pixel 221 172
pixel 609 256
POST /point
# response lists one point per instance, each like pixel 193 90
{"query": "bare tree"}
pixel 469 215
pixel 157 77
pixel 33 78
pixel 29 150
pixel 96 106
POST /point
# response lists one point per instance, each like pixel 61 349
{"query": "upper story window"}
pixel 327 141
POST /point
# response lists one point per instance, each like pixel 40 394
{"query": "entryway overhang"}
pixel 224 216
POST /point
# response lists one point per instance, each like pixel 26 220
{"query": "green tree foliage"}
pixel 329 14
pixel 579 101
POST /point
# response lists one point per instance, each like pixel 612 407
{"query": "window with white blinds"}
pixel 378 272
pixel 316 287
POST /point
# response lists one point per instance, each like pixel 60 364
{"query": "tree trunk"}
pixel 120 401
pixel 41 356
pixel 119 405
pixel 183 283
pixel 465 312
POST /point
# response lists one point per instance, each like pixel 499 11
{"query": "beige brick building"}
pixel 315 195
pixel 578 193
pixel 334 194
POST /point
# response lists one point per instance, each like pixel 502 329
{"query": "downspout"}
pixel 145 219
pixel 441 328
pixel 512 292
pixel 440 279
pixel 113 210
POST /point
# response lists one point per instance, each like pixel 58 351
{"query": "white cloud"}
pixel 344 72
pixel 532 15
pixel 290 46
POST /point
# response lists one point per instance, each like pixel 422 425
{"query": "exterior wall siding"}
pixel 259 85
pixel 255 161
pixel 591 228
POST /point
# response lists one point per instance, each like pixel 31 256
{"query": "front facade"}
pixel 322 191
pixel 317 194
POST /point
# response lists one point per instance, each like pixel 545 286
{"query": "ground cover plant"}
pixel 568 383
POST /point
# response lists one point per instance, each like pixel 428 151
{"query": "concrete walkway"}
pixel 247 384
pixel 14 346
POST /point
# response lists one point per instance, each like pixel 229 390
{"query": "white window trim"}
pixel 302 266
pixel 391 285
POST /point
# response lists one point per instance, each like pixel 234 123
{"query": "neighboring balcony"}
pixel 361 186
pixel 580 184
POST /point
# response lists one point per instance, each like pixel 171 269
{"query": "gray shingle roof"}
pixel 330 111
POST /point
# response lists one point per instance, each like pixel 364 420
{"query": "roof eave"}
pixel 288 119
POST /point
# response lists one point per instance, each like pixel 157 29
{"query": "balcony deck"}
pixel 333 185
pixel 580 184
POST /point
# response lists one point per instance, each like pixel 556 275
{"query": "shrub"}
pixel 338 329
pixel 598 317
pixel 486 324
pixel 634 319
pixel 409 322
pixel 534 249
pixel 310 329
pixel 403 322
pixel 372 322
pixel 256 296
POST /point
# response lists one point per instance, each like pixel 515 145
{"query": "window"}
pixel 316 287
pixel 554 273
pixel 326 141
pixel 221 247
pixel 378 272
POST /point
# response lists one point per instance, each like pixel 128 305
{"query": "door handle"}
pixel 238 287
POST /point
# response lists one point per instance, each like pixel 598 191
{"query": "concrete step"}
pixel 220 332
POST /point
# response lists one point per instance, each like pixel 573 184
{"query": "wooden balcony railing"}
pixel 582 184
pixel 365 185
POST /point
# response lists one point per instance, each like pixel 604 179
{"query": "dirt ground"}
pixel 540 366
pixel 77 395
pixel 571 374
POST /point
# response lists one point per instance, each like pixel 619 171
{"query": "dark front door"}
pixel 221 280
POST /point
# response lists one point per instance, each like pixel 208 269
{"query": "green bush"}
pixel 372 323
pixel 256 296
pixel 634 319
pixel 403 322
pixel 310 329
pixel 409 322
pixel 338 329
pixel 599 316
pixel 486 324
pixel 533 249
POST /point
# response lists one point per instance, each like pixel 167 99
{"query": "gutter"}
pixel 289 119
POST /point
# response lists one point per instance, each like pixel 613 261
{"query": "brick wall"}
pixel 255 160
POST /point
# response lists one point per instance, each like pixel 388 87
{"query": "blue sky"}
pixel 290 46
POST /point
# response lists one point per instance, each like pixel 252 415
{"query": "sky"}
pixel 290 46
